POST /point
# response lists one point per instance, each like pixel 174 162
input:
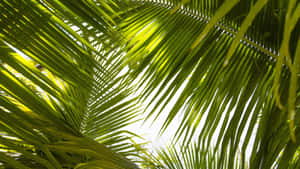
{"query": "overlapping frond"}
pixel 234 64
pixel 79 101
pixel 191 157
pixel 227 103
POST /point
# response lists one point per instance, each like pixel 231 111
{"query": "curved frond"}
pixel 65 96
pixel 228 107
pixel 67 92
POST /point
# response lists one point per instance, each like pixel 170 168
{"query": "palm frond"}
pixel 66 104
pixel 180 52
pixel 79 97
pixel 191 157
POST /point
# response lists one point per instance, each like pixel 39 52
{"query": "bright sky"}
pixel 150 130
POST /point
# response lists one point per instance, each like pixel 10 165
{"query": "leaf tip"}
pixel 225 63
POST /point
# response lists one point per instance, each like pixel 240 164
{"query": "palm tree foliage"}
pixel 234 64
pixel 81 99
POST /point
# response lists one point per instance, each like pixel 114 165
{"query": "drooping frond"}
pixel 222 66
pixel 63 105
pixel 234 65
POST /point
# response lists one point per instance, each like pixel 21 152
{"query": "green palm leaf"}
pixel 78 96
pixel 184 52
pixel 234 65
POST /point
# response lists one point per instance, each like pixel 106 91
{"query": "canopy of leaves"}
pixel 69 69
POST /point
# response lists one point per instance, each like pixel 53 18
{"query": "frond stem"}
pixel 273 53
